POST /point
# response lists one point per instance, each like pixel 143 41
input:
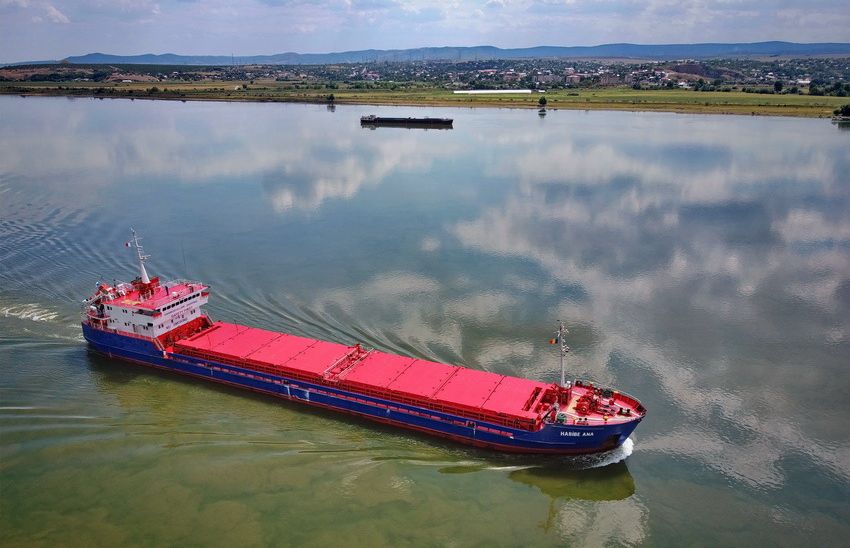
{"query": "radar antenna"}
pixel 143 274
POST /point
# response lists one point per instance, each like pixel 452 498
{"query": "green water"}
pixel 702 263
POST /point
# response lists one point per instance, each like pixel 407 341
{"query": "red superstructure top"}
pixel 153 295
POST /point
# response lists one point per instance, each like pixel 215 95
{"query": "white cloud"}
pixel 55 15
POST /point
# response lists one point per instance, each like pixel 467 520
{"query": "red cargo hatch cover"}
pixel 318 357
pixel 511 395
pixel 281 350
pixel 246 342
pixel 378 370
pixel 421 379
pixel 209 338
pixel 468 387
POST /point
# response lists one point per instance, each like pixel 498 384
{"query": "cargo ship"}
pixel 436 123
pixel 162 325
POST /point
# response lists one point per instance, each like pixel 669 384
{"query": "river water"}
pixel 701 263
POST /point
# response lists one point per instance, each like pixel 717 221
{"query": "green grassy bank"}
pixel 734 102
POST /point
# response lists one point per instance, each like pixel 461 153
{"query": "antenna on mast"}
pixel 143 274
pixel 560 340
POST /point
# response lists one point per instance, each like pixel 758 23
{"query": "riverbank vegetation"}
pixel 415 94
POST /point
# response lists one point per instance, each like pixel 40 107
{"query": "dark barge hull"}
pixel 377 121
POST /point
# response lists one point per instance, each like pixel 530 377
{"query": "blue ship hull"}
pixel 552 438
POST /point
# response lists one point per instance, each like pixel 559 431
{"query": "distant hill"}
pixel 634 51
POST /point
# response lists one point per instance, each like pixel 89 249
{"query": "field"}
pixel 603 98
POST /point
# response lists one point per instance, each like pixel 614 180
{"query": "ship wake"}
pixel 611 457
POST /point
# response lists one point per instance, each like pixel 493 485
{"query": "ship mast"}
pixel 143 274
pixel 560 340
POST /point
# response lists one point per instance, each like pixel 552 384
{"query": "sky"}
pixel 55 29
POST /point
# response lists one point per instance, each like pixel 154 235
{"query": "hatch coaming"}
pixel 226 349
pixel 476 395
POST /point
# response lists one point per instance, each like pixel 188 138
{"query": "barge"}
pixel 377 121
pixel 162 325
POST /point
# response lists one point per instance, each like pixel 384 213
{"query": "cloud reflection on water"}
pixel 690 266
pixel 701 262
pixel 300 164
pixel 306 180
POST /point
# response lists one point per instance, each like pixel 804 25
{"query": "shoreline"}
pixel 618 99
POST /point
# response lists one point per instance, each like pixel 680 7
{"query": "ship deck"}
pixel 470 393
pixel 478 394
